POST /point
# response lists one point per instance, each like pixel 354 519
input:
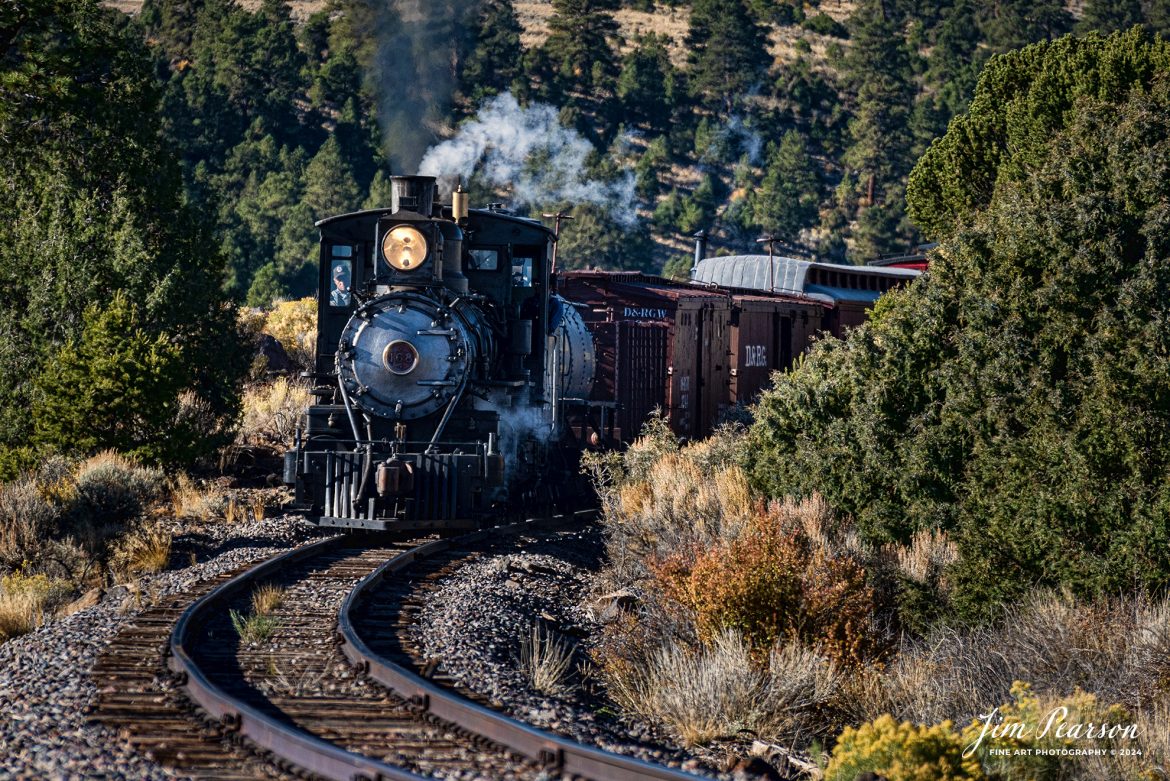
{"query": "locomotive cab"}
pixel 434 377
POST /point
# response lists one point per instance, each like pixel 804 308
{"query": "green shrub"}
pixel 1019 395
pixel 254 628
pixel 824 24
pixel 116 386
pixel 112 488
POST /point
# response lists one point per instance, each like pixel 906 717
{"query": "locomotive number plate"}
pixel 400 357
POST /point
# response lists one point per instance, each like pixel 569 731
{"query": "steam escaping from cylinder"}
pixel 527 150
pixel 518 423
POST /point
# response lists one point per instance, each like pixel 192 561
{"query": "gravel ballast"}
pixel 476 619
pixel 45 689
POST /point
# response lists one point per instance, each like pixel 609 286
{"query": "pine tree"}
pixel 380 192
pixel 594 240
pixel 786 202
pixel 116 386
pixel 353 145
pixel 879 69
pixel 330 187
pixel 1012 24
pixel 955 60
pixel 1106 16
pixel 246 66
pixel 494 54
pixel 582 60
pixel 1157 16
pixel 727 52
pixel 952 71
pixel 94 204
pixel 170 24
pixel 646 84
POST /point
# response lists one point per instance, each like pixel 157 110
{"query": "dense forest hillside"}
pixel 648 121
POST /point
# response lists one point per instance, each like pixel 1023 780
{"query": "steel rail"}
pixel 567 756
pixel 287 742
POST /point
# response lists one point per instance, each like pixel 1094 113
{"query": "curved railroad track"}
pixel 333 692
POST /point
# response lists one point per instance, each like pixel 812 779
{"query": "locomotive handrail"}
pixel 571 758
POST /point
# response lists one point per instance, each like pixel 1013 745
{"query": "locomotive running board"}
pixel 392 524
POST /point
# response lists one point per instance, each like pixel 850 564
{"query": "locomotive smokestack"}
pixel 412 193
pixel 700 250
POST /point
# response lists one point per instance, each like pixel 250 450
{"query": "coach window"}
pixel 483 260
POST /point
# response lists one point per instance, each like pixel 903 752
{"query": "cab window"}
pixel 340 281
pixel 483 260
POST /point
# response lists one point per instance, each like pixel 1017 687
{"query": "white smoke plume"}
pixel 527 150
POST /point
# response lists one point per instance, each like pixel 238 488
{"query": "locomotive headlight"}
pixel 404 248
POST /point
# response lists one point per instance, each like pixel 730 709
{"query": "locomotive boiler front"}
pixel 405 355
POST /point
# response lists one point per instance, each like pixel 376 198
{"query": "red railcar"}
pixel 767 333
pixel 687 350
pixel 659 345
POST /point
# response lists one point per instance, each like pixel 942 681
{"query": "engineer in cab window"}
pixel 339 295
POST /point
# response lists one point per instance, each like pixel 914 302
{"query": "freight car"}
pixel 689 350
pixel 695 349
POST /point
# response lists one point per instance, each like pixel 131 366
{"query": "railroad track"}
pixel 333 692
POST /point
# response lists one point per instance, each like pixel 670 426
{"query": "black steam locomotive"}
pixel 443 362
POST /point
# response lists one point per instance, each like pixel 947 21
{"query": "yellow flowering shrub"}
pixel 294 325
pixel 902 752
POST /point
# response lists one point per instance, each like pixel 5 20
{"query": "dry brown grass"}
pixel 26 601
pixel 294 325
pixel 659 498
pixel 271 413
pixel 1117 649
pixel 927 557
pixel 143 551
pixel 267 598
pixel 717 690
pixel 546 660
pixel 194 502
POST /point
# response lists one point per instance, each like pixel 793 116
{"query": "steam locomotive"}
pixel 454 384
pixel 443 358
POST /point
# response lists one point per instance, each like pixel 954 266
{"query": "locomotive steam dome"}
pixel 404 356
